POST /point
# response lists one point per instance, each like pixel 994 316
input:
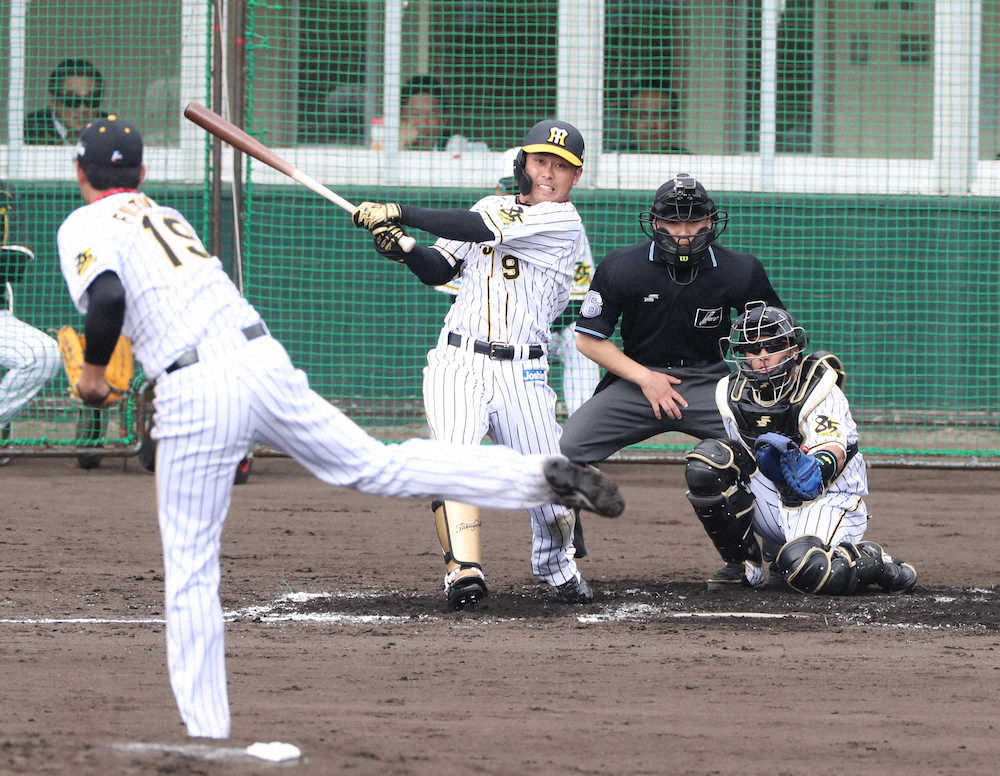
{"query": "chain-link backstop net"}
pixel 854 144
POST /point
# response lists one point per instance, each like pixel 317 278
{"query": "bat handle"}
pixel 407 243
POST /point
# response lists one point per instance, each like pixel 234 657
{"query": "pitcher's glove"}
pixel 796 474
pixel 387 237
pixel 118 373
pixel 372 214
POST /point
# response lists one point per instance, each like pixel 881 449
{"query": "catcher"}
pixel 791 470
pixel 29 357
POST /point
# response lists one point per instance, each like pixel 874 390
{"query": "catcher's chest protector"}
pixel 814 383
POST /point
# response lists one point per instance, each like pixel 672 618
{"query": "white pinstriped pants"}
pixel 31 358
pixel 207 416
pixel 834 517
pixel 469 396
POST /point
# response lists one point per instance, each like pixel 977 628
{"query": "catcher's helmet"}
pixel 551 137
pixel 682 198
pixel 762 327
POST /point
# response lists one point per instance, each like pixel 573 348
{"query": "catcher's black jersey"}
pixel 664 322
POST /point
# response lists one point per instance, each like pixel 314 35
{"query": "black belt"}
pixel 191 357
pixel 683 363
pixel 498 351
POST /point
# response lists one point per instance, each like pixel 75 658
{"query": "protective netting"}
pixel 855 145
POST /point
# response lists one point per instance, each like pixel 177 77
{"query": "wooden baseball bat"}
pixel 225 130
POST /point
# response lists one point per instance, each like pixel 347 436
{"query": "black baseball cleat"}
pixel 583 487
pixel 576 591
pixel 466 593
pixel 898 577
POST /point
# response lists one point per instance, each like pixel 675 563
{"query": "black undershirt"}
pixel 105 314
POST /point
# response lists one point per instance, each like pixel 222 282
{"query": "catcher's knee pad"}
pixel 458 529
pixel 716 472
pixel 810 566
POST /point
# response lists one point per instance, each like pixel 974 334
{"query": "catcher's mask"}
pixel 682 199
pixel 549 137
pixel 761 333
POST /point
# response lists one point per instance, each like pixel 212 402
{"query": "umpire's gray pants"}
pixel 620 415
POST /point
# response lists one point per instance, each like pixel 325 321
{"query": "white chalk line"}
pixel 277 611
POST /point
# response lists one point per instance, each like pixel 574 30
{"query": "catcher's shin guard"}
pixel 810 566
pixel 716 471
pixel 458 529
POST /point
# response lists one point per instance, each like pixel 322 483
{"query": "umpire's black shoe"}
pixel 735 575
pixel 466 593
pixel 583 487
pixel 579 545
pixel 576 591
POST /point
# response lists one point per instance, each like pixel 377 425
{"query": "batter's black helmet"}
pixel 763 327
pixel 550 137
pixel 682 198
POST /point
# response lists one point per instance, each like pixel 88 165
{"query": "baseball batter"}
pixel 580 374
pixel 29 356
pixel 516 255
pixel 784 412
pixel 222 383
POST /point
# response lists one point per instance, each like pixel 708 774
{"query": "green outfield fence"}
pixel 855 145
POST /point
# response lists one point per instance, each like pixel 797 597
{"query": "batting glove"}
pixel 371 214
pixel 387 237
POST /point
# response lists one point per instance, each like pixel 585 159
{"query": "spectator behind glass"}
pixel 422 119
pixel 652 123
pixel 422 126
pixel 75 90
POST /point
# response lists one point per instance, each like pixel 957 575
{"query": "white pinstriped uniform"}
pixel 837 515
pixel 512 289
pixel 239 393
pixel 580 374
pixel 31 358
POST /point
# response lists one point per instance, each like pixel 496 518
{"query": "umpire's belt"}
pixel 498 351
pixel 686 363
pixel 191 357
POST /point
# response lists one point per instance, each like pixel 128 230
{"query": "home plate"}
pixel 273 751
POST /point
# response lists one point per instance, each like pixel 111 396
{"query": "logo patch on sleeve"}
pixel 83 261
pixel 592 304
pixel 707 319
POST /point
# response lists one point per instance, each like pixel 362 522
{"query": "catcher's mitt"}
pixel 118 373
pixel 796 474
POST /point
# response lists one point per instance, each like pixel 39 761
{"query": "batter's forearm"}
pixel 452 224
pixel 430 266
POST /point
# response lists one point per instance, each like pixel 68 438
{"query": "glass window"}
pixel 495 64
pixel 989 80
pixel 869 78
pixel 100 56
pixel 676 75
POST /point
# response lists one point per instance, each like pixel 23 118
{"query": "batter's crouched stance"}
pixel 674 294
pixel 789 468
pixel 487 375
pixel 223 384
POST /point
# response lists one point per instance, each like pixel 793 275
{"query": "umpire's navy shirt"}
pixel 663 322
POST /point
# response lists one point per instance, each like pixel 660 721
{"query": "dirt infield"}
pixel 339 644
